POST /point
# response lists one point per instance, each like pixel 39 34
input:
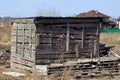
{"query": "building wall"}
pixel 57 43
pixel 23 45
pixel 119 24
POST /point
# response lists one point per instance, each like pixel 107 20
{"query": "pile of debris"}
pixel 4 57
pixel 104 50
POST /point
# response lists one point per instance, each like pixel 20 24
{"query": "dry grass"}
pixel 110 38
pixel 5 39
pixel 103 78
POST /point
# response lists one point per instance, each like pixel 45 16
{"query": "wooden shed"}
pixel 48 40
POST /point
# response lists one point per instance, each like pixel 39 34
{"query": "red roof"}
pixel 93 13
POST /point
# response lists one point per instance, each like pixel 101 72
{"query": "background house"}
pixel 118 22
pixel 106 20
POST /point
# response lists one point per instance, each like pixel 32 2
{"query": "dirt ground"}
pixel 111 39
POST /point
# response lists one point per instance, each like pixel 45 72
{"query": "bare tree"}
pixel 48 13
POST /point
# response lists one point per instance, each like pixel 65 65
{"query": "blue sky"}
pixel 28 8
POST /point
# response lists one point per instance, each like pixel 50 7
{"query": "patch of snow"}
pixel 15 74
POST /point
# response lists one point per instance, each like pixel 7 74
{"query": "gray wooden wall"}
pixel 64 39
pixel 23 45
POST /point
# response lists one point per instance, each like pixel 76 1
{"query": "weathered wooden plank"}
pixel 68 37
pixel 45 40
pixel 13 48
pixel 21 25
pixel 22 67
pixel 42 69
pixel 48 39
pixel 14 32
pixel 27 46
pixel 14 26
pixel 23 61
pixel 59 32
pixel 27 26
pixel 23 20
pixel 20 39
pixel 32 34
pixel 90 25
pixel 49 20
pixel 20 33
pixel 83 36
pixel 51 57
pixel 13 38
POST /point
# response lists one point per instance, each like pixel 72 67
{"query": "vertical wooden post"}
pixel 98 39
pixel 98 55
pixel 96 42
pixel 30 37
pixel 68 37
pixel 34 53
pixel 83 31
pixel 77 50
pixel 95 48
pixel 14 44
pixel 37 40
pixel 100 25
pixel 51 36
pixel 91 55
pixel 16 37
pixel 23 41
